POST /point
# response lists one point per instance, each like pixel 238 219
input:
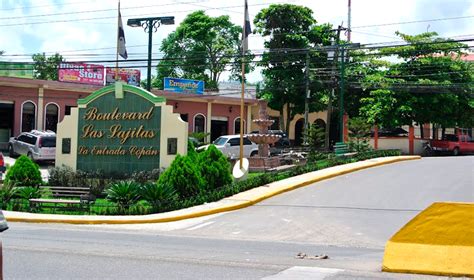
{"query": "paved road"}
pixel 349 218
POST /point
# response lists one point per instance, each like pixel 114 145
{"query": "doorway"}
pixel 6 121
pixel 218 128
pixel 299 132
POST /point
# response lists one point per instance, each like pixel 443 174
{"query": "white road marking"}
pixel 303 272
pixel 200 226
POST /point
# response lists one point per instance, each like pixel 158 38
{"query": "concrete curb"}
pixel 438 241
pixel 238 201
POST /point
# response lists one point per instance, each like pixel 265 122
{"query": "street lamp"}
pixel 150 25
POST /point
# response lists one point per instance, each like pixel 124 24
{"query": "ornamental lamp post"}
pixel 150 25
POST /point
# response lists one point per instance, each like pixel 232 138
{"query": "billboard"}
pixel 81 73
pixel 129 76
pixel 184 85
pixel 16 69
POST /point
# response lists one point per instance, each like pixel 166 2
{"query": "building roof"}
pixel 74 87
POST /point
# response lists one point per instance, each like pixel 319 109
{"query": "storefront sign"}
pixel 81 73
pixel 129 76
pixel 184 85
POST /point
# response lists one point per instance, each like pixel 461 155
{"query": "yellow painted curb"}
pixel 438 241
pixel 271 190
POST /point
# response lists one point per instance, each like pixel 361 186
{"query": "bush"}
pixel 24 173
pixel 61 176
pixel 183 176
pixel 159 196
pixel 215 168
pixel 143 177
pixel 124 194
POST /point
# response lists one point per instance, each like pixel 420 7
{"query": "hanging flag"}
pixel 246 30
pixel 122 51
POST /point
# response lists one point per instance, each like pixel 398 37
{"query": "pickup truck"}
pixel 454 144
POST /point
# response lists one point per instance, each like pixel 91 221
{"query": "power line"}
pixel 413 21
pixel 113 17
pixel 95 11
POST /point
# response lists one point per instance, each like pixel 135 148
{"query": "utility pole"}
pixel 335 44
pixel 341 96
pixel 306 101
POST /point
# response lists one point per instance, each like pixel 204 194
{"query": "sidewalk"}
pixel 238 201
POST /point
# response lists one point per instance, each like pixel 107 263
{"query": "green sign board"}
pixel 16 69
pixel 118 132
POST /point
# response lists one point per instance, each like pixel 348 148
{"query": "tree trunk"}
pixel 422 134
pixel 282 121
pixel 288 118
pixel 328 121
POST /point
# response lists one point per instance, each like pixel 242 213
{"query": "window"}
pixel 247 141
pixel 23 138
pixel 28 116
pixel 199 123
pixel 184 117
pixel 234 142
pixel 52 114
pixel 237 126
pixel 67 110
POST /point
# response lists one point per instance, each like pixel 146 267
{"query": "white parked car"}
pixel 229 145
pixel 37 145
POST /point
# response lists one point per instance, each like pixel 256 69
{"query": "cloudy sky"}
pixel 85 30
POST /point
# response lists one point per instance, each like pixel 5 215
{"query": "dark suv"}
pixel 37 145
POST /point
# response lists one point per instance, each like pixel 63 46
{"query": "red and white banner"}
pixel 81 73
pixel 129 76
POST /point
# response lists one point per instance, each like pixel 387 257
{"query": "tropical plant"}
pixel 215 168
pixel 184 176
pixel 124 194
pixel 158 195
pixel 28 192
pixel 24 173
pixel 7 192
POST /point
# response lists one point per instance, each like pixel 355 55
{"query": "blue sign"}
pixel 184 85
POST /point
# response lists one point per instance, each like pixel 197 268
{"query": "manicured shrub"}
pixel 215 168
pixel 24 173
pixel 157 195
pixel 184 176
pixel 124 194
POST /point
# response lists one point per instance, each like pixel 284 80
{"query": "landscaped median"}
pixel 237 201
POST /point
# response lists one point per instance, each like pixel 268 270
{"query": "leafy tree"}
pixel 215 168
pixel 184 176
pixel 290 30
pixel 201 48
pixel 46 68
pixel 24 173
pixel 430 84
